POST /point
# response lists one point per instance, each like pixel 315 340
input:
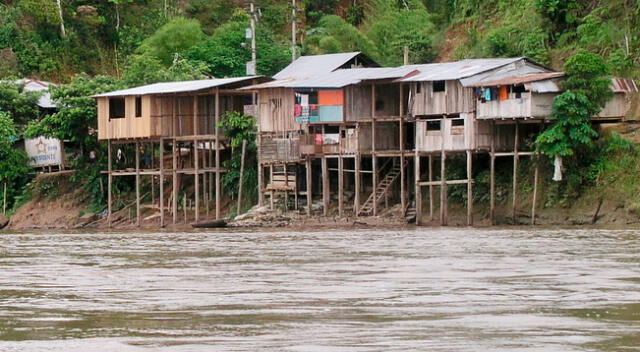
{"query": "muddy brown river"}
pixel 365 290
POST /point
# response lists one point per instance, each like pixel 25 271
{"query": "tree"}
pixel 225 56
pixel 76 118
pixel 587 89
pixel 21 105
pixel 146 70
pixel 13 162
pixel 175 37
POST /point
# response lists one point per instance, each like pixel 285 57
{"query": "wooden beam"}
pixel 535 192
pixel 325 187
pixel 137 183
pixel 174 164
pixel 358 176
pixel 196 159
pixel 340 186
pixel 448 182
pixel 309 186
pixel 431 205
pixel 492 176
pixel 514 200
pixel 109 184
pixel 217 136
pixel 469 189
pixel 374 178
pixel 443 189
pixel 161 195
pixel 244 148
pixel 418 190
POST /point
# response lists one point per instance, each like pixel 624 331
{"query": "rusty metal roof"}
pixel 175 87
pixel 521 79
pixel 313 65
pixel 623 85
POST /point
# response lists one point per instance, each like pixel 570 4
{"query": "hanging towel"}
pixel 557 168
pixel 487 94
pixel 297 110
pixel 503 94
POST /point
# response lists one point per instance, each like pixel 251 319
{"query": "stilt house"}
pixel 326 127
pixel 173 126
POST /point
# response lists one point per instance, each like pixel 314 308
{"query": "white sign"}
pixel 251 68
pixel 43 151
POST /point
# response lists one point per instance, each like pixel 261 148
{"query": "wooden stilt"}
pixel 217 151
pixel 418 189
pixel 260 174
pixel 469 189
pixel 443 189
pixel 174 164
pixel 374 178
pixel 535 191
pixel 286 184
pixel 161 185
pixel 241 181
pixel 196 159
pixel 271 200
pixel 514 200
pixel 309 186
pixel 137 183
pixel 403 186
pixel 492 177
pixel 358 185
pixel 325 186
pixel 109 183
pixel 152 177
pixel 430 188
pixel 340 186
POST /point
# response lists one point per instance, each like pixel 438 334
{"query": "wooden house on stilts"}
pixel 172 131
pixel 336 123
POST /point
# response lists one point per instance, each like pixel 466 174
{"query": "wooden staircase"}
pixel 381 190
pixel 410 211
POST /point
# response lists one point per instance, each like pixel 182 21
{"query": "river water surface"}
pixel 423 289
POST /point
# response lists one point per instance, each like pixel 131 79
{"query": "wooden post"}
pixel 161 195
pixel 358 175
pixel 443 189
pixel 340 186
pixel 137 183
pixel 492 176
pixel 430 187
pixel 325 186
pixel 374 177
pixel 309 186
pixel 515 175
pixel 109 183
pixel 241 182
pixel 271 200
pixel 403 198
pixel 217 134
pixel 418 190
pixel 535 191
pixel 174 165
pixel 184 207
pixel 153 181
pixel 469 189
pixel 196 159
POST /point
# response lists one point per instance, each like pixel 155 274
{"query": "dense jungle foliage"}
pixel 99 45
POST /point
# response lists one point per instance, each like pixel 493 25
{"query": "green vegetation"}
pixel 116 44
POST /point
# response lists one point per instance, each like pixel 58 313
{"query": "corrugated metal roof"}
pixel 339 78
pixel 520 79
pixel 313 65
pixel 623 85
pixel 456 70
pixel 618 85
pixel 175 87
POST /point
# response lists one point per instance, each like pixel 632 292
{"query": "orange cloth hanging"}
pixel 503 93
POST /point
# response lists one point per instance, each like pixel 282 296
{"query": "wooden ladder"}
pixel 410 211
pixel 381 190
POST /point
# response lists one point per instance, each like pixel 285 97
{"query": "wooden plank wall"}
pixel 454 100
pixel 358 102
pixel 279 149
pixel 127 127
pixel 276 108
pixel 387 136
pixel 456 138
